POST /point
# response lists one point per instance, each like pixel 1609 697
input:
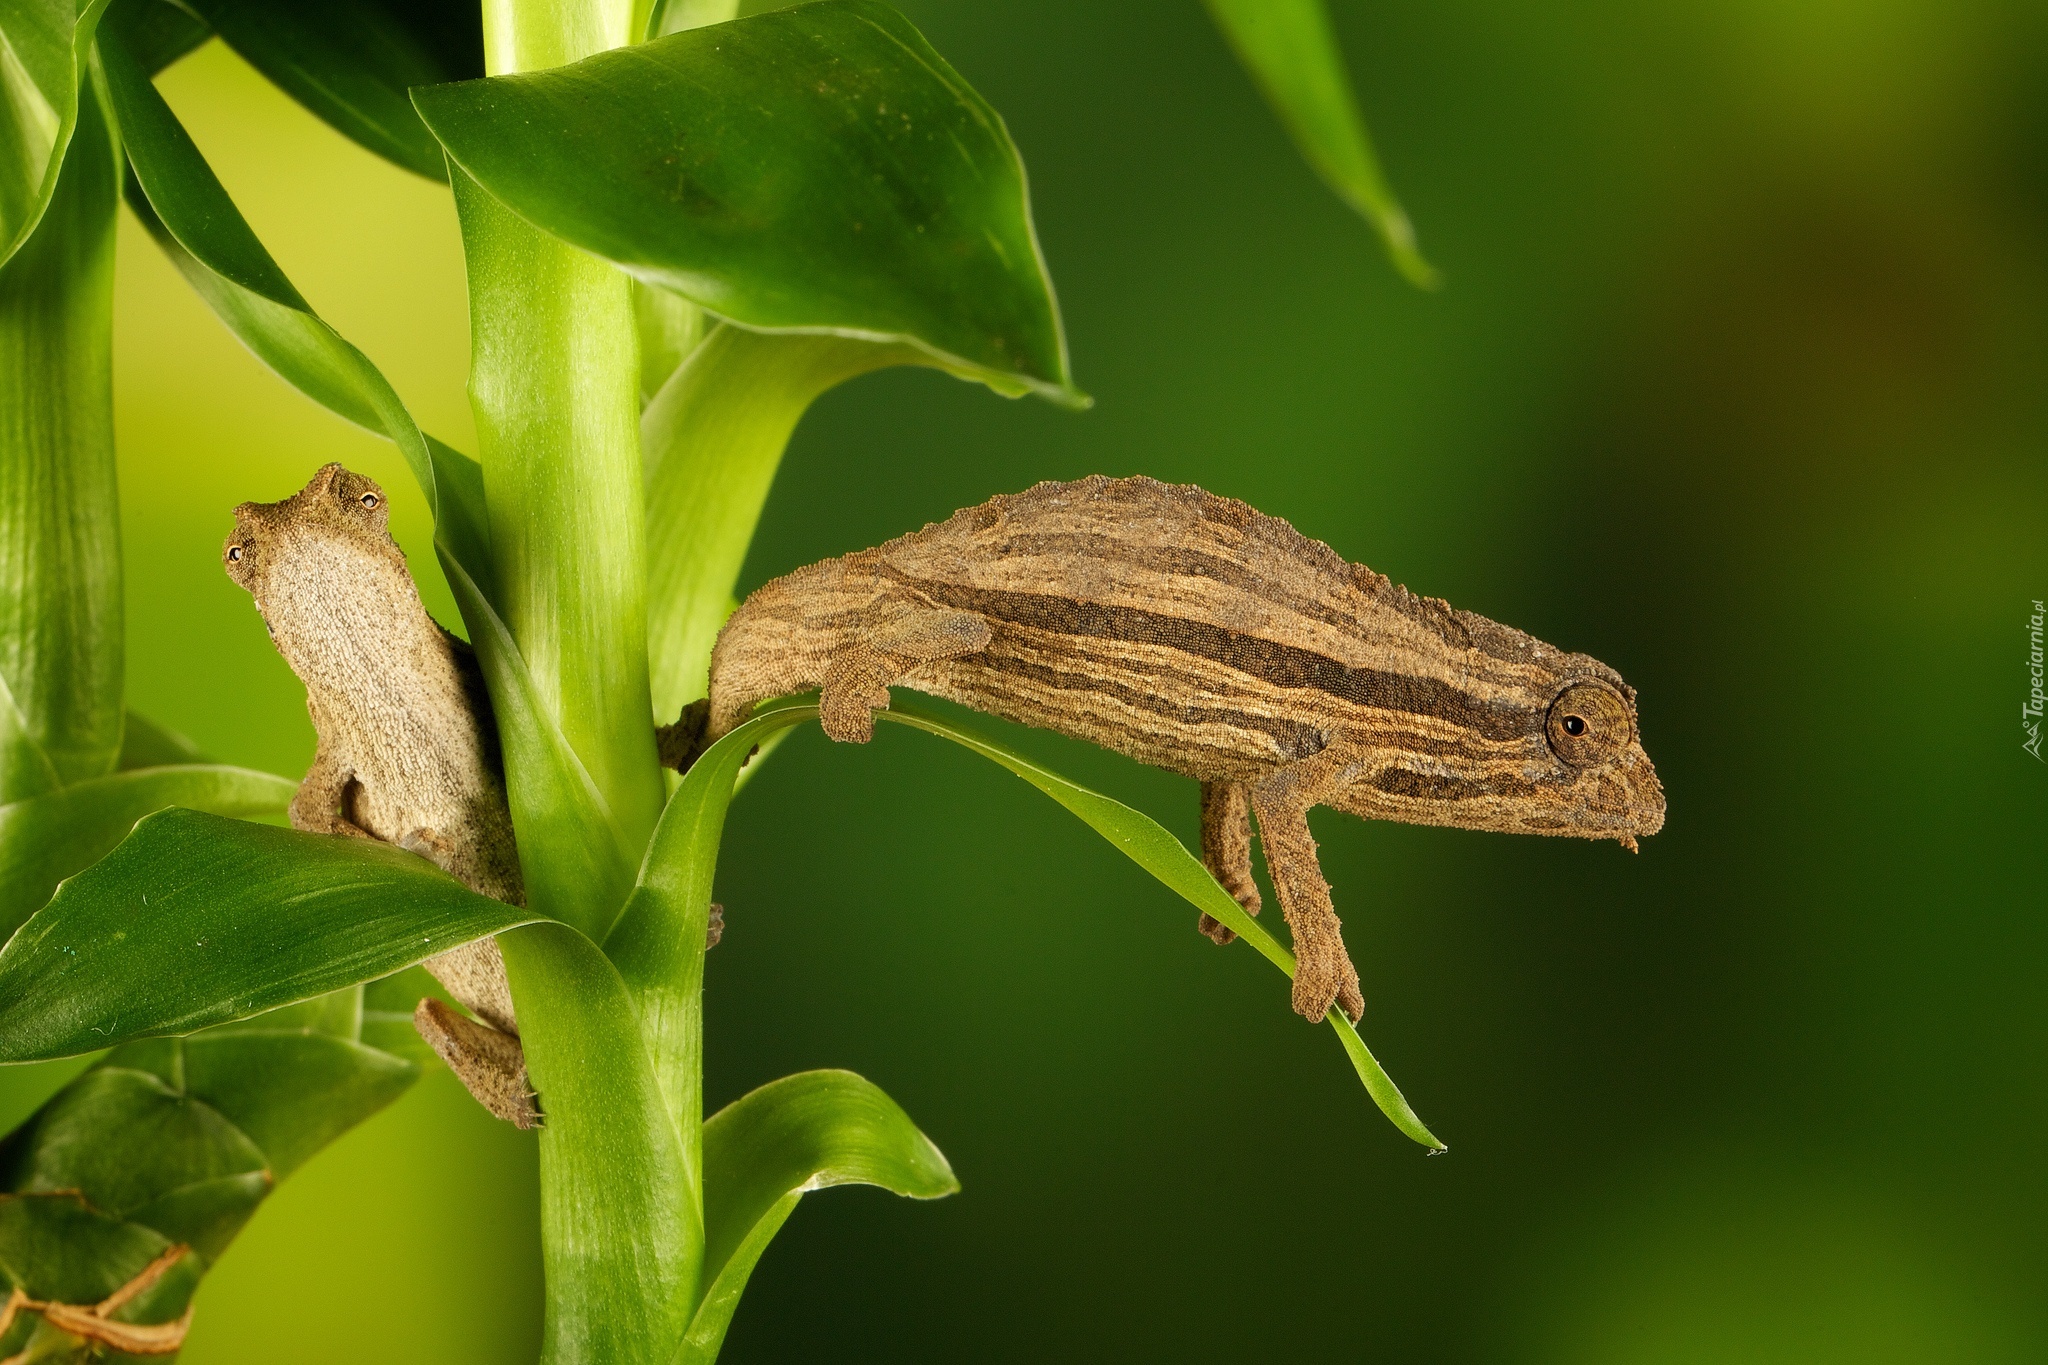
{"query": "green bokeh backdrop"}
pixel 1737 383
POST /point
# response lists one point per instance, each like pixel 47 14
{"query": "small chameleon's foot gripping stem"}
pixel 490 1064
pixel 1323 973
pixel 1227 850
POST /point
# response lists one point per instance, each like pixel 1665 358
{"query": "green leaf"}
pixel 146 744
pixel 621 1229
pixel 1151 846
pixel 712 440
pixel 766 1150
pixel 196 920
pixel 174 1142
pixel 158 32
pixel 351 62
pixel 44 46
pixel 47 838
pixel 60 543
pixel 818 169
pixel 658 943
pixel 673 16
pixel 1289 50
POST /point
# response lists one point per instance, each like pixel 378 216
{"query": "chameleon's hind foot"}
pixel 491 1065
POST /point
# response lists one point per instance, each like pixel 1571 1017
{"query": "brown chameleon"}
pixel 1196 634
pixel 407 751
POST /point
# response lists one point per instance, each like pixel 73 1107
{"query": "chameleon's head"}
pixel 312 541
pixel 1540 742
pixel 1593 778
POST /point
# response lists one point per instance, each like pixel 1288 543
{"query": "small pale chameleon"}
pixel 1196 634
pixel 407 751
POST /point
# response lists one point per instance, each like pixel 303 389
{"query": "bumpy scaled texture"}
pixel 1196 634
pixel 407 751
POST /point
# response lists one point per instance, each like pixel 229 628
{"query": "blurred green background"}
pixel 1739 382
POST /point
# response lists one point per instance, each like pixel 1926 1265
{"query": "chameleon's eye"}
pixel 369 500
pixel 1589 725
pixel 234 554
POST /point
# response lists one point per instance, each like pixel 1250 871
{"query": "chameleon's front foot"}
pixel 1324 976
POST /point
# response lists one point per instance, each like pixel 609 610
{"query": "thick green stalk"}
pixel 554 382
pixel 60 543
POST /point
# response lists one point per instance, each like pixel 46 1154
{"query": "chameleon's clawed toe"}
pixel 1215 930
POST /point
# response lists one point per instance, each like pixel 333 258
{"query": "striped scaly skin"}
pixel 1196 634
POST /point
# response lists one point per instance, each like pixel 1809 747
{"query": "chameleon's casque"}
pixel 1199 635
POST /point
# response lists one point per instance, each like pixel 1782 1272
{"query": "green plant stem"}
pixel 554 383
pixel 60 539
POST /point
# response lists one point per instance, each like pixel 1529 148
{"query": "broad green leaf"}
pixel 351 62
pixel 554 383
pixel 146 744
pixel 766 1150
pixel 1152 846
pixel 818 169
pixel 197 920
pixel 1289 50
pixel 712 440
pixel 658 943
pixel 44 46
pixel 567 840
pixel 174 1142
pixel 60 543
pixel 621 1228
pixel 47 838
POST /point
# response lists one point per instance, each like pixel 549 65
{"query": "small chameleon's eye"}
pixel 234 554
pixel 1589 725
pixel 369 499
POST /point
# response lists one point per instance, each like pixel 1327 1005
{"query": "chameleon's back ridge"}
pixel 1197 634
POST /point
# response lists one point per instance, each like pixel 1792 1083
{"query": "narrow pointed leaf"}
pixel 765 1150
pixel 817 169
pixel 658 943
pixel 1152 846
pixel 197 920
pixel 158 32
pixel 1290 51
pixel 621 1230
pixel 47 838
pixel 60 543
pixel 44 45
pixel 351 62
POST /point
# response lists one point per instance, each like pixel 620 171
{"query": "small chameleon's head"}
pixel 313 544
pixel 1538 742
pixel 1599 782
